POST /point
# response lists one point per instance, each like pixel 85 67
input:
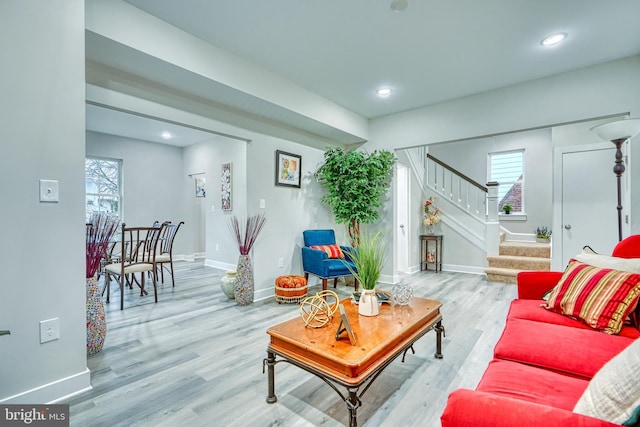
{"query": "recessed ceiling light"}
pixel 553 39
pixel 399 5
pixel 167 135
pixel 383 92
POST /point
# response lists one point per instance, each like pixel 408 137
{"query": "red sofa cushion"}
pixel 467 408
pixel 533 310
pixel 332 251
pixel 573 351
pixel 532 384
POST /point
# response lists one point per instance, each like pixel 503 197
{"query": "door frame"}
pixel 556 257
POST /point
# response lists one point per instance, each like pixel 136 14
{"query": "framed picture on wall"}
pixel 226 178
pixel 288 168
pixel 200 186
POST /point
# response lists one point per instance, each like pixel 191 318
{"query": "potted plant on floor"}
pixel 368 259
pixel 543 234
pixel 356 183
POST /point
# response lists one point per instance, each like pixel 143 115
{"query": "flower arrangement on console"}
pixel 245 236
pixel 431 212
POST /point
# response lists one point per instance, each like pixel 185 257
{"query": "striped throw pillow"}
pixel 333 251
pixel 601 297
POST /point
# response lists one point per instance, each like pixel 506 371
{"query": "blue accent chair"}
pixel 318 263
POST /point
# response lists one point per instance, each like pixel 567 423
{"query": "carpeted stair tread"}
pixel 528 249
pixel 502 275
pixel 519 262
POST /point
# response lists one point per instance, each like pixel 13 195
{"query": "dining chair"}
pixel 165 255
pixel 138 249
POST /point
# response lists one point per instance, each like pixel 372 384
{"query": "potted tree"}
pixel 355 183
pixel 368 259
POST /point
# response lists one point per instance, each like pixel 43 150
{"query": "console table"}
pixel 379 340
pixel 425 258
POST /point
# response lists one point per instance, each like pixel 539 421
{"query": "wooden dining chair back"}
pixel 165 255
pixel 138 250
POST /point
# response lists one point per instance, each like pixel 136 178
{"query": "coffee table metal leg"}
pixel 352 403
pixel 271 363
pixel 439 331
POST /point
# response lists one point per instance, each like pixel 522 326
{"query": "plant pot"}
pixel 542 240
pixel 368 304
pixel 96 320
pixel 227 284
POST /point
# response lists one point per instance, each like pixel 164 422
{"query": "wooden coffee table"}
pixel 379 340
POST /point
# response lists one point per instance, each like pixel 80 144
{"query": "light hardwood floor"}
pixel 195 359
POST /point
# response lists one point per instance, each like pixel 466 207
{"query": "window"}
pixel 103 186
pixel 507 169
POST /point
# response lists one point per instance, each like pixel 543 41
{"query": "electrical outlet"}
pixel 280 262
pixel 217 247
pixel 263 203
pixel 49 330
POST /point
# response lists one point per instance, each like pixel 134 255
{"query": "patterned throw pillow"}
pixel 601 297
pixel 333 251
pixel 613 394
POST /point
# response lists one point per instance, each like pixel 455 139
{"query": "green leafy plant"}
pixel 507 208
pixel 368 259
pixel 355 182
pixel 543 233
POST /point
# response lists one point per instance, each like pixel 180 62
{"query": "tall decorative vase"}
pixel 96 320
pixel 243 289
pixel 368 304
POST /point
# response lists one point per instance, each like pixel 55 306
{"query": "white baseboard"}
pixel 55 391
pixel 220 265
pixel 463 269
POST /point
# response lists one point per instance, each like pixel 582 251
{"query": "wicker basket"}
pixel 290 289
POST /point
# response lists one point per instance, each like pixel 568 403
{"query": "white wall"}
pixel 605 90
pixel 289 210
pixel 43 254
pixel 151 180
pixel 470 158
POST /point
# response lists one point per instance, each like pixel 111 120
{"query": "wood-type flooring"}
pixel 196 359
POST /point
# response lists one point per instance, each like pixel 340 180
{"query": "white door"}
pixel 402 218
pixel 588 201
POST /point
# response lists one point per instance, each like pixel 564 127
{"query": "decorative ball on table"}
pixel 317 311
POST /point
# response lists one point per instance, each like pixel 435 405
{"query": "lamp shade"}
pixel 621 129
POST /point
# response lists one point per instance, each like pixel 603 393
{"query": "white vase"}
pixel 368 304
pixel 227 283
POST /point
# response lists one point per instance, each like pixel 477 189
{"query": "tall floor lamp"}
pixel 618 132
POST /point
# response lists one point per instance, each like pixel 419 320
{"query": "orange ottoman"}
pixel 291 289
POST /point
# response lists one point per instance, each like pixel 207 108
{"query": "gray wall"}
pixel 151 179
pixel 470 158
pixel 42 122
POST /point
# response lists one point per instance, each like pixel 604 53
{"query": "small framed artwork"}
pixel 226 178
pixel 288 169
pixel 345 326
pixel 200 186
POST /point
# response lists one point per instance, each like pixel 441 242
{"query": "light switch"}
pixel 263 203
pixel 49 191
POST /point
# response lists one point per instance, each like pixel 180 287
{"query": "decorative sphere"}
pixel 316 311
pixel 402 293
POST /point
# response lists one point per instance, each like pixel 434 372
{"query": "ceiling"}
pixel 433 51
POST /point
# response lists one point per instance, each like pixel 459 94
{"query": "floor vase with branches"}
pixel 100 230
pixel 245 234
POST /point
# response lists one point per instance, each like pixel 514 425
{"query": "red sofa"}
pixel 542 364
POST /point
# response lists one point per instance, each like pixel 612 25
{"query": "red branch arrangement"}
pixel 246 237
pixel 100 230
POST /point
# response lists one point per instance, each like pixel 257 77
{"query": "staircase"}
pixel 515 257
